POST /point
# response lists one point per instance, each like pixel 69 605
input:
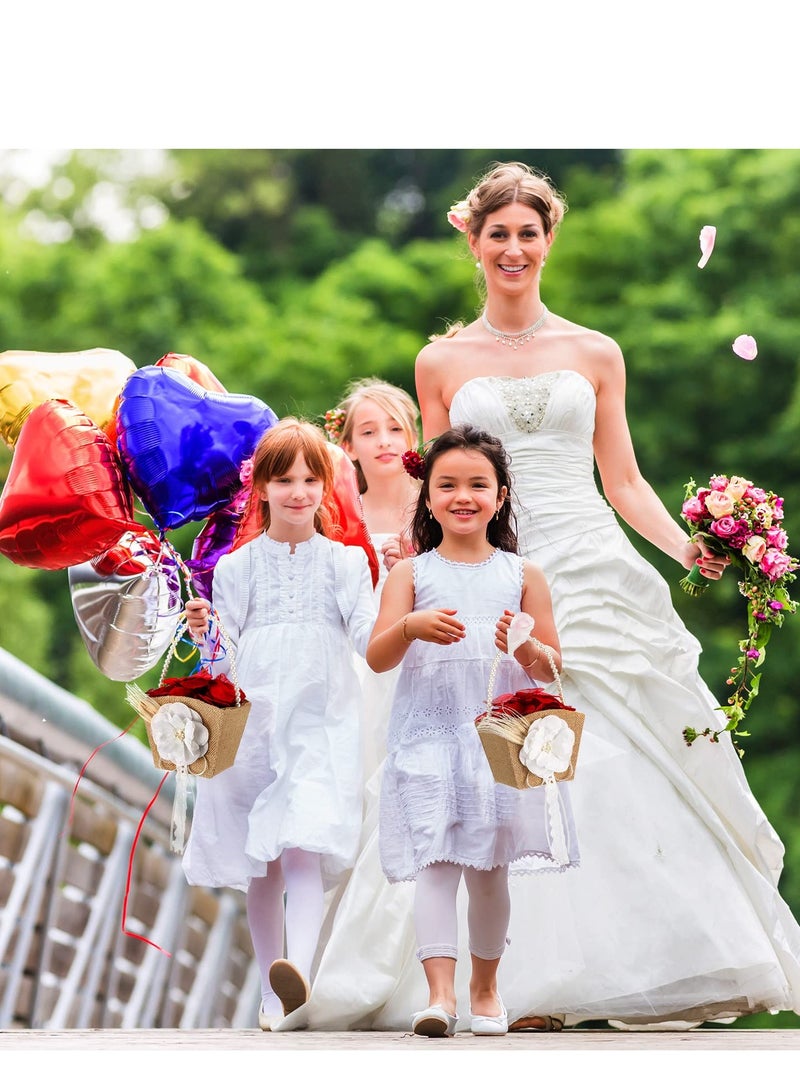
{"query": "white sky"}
pixel 622 73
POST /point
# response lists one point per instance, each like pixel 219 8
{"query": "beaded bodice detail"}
pixel 525 399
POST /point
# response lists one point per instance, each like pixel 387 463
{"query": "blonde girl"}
pixel 375 424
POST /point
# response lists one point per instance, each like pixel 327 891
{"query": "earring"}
pixel 430 514
pixel 497 514
pixel 477 265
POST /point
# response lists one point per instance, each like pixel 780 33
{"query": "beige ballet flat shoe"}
pixel 537 1023
pixel 288 984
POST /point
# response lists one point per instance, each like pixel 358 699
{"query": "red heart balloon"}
pixel 194 369
pixel 132 554
pixel 66 498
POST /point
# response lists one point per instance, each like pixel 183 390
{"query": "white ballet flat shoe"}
pixel 490 1024
pixel 434 1022
pixel 264 1020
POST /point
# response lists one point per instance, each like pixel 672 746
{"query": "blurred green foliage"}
pixel 290 272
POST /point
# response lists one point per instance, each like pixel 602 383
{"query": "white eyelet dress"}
pixel 439 800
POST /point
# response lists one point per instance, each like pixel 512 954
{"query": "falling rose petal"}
pixel 519 630
pixel 708 237
pixel 745 346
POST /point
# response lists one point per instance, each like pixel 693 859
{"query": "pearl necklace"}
pixel 514 340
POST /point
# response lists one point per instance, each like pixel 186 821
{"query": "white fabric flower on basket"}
pixel 179 733
pixel 547 749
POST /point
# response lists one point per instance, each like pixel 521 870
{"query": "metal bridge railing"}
pixel 70 861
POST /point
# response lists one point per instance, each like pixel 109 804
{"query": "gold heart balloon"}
pixel 91 380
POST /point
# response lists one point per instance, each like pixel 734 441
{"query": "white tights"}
pixel 297 874
pixel 435 918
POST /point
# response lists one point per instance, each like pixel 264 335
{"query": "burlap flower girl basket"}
pixel 528 750
pixel 198 737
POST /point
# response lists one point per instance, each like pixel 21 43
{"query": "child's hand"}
pixel 501 631
pixel 396 548
pixel 198 612
pixel 435 626
pixel 392 551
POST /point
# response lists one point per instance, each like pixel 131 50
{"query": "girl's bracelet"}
pixel 527 666
pixel 408 639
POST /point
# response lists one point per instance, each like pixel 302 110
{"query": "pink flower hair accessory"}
pixel 334 423
pixel 246 473
pixel 459 216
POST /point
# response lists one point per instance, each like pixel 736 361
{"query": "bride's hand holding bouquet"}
pixel 735 518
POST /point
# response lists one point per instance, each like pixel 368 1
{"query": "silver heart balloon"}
pixel 126 620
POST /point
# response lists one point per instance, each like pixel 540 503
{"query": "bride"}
pixel 674 915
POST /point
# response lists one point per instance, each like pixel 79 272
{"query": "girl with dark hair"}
pixel 443 613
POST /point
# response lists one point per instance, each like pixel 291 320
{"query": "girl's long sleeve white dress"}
pixel 292 619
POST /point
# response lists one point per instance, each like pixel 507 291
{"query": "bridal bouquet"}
pixel 735 517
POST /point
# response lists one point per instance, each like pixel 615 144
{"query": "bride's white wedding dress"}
pixel 674 915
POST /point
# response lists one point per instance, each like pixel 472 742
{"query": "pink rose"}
pixel 725 527
pixel 719 504
pixel 753 493
pixel 718 483
pixel 777 538
pixel 694 510
pixel 775 564
pixel 459 216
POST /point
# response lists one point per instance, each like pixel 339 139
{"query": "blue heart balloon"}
pixel 182 446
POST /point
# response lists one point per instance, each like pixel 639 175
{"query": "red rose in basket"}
pixel 203 686
pixel 526 701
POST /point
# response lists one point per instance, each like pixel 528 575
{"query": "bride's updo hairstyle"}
pixel 507 183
